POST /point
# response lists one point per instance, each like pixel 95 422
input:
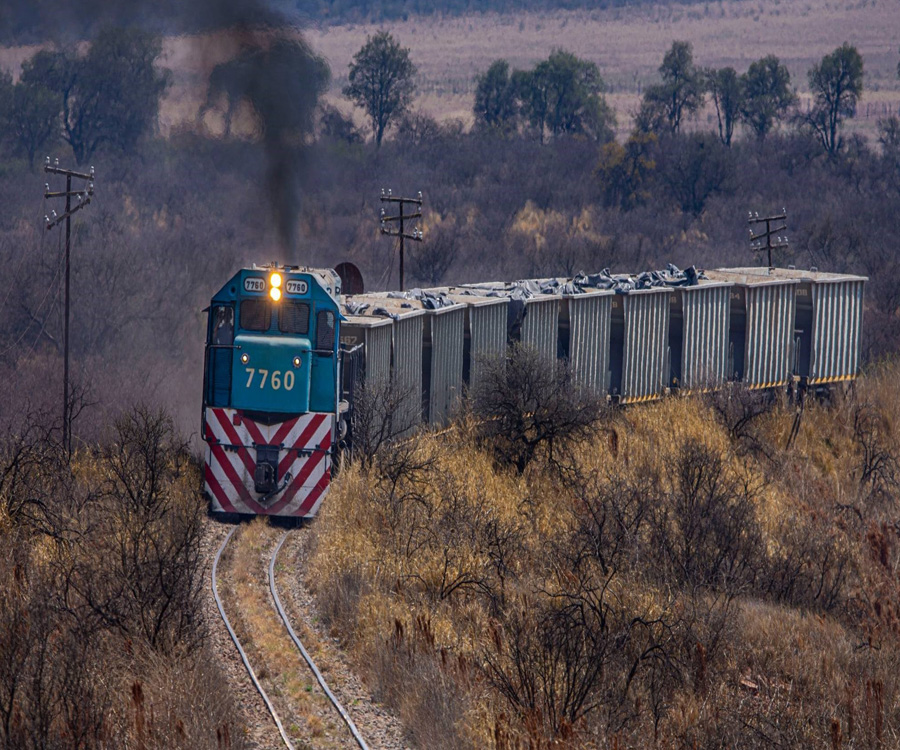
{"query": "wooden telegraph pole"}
pixel 82 198
pixel 756 239
pixel 401 217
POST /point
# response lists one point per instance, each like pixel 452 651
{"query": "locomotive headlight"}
pixel 275 280
pixel 245 358
pixel 296 361
pixel 275 293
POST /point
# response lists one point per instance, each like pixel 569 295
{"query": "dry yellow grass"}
pixel 273 655
pixel 385 560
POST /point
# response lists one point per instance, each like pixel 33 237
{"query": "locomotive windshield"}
pixel 293 317
pixel 256 315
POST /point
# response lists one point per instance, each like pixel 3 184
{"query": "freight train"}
pixel 286 353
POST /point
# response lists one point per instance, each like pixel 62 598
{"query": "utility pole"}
pixel 416 234
pixel 83 197
pixel 756 239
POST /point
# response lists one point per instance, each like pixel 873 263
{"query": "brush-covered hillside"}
pixel 710 571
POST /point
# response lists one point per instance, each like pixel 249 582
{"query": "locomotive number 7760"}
pixel 277 381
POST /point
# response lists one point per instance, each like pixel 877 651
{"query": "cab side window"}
pixel 223 325
pixel 325 330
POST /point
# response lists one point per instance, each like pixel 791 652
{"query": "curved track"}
pixel 237 643
pixel 284 618
pixel 312 665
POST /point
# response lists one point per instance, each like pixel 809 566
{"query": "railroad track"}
pixel 276 601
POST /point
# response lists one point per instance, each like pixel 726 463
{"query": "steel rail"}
pixel 312 665
pixel 237 643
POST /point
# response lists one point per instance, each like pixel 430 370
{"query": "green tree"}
pixel 694 168
pixel 563 95
pixel 836 84
pixel 724 85
pixel 381 81
pixel 767 95
pixel 680 94
pixel 33 115
pixel 110 96
pixel 626 172
pixel 495 99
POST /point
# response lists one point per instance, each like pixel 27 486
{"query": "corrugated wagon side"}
pixel 540 325
pixel 484 331
pixel 442 358
pixel 761 335
pixel 698 335
pixel 639 345
pixel 837 329
pixel 584 332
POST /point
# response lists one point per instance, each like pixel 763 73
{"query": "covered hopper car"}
pixel 286 354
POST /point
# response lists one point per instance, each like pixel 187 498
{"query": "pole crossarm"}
pixel 64 193
pixel 55 169
pixel 388 198
pixel 417 215
pixel 767 234
pixel 59 219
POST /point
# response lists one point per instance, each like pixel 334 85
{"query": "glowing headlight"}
pixel 275 280
pixel 296 361
pixel 245 358
pixel 275 293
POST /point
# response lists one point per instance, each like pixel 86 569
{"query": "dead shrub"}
pixel 139 568
pixel 704 528
pixel 381 413
pixel 742 410
pixel 529 404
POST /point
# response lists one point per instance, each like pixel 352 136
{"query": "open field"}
pixel 627 44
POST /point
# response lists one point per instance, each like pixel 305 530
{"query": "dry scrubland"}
pixel 701 573
pixel 103 643
pixel 627 44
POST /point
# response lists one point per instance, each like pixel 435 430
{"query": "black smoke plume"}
pixel 282 79
pixel 275 71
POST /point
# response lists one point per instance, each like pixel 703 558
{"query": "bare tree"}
pixel 379 415
pixel 529 403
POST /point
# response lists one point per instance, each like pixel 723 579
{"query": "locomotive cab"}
pixel 270 396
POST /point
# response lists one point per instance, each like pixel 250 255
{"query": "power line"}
pixel 51 287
